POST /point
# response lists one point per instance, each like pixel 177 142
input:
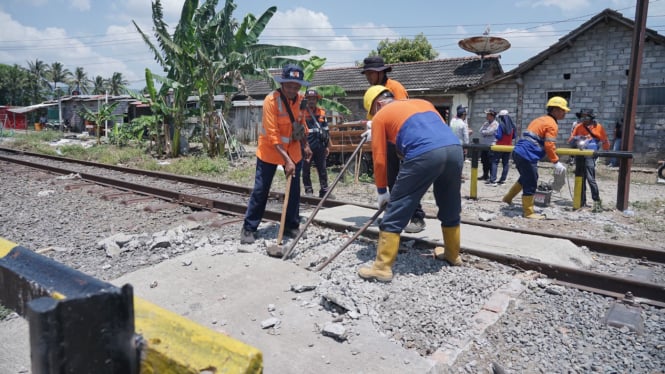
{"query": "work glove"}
pixel 367 135
pixel 559 168
pixel 382 199
pixel 369 125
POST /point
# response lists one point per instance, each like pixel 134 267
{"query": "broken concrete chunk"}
pixel 302 288
pixel 270 322
pixel 334 330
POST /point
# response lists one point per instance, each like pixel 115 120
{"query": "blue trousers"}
pixel 528 174
pixel 265 173
pixel 504 157
pixel 590 176
pixel 319 160
pixel 392 171
pixel 439 168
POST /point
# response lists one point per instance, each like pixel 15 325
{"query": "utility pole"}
pixel 633 88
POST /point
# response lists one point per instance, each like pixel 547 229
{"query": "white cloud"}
pixel 565 5
pixel 312 30
pixel 53 44
pixel 82 5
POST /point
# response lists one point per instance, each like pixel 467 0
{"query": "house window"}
pixel 651 96
pixel 565 94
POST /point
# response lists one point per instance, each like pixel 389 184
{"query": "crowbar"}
pixel 324 198
pixel 354 237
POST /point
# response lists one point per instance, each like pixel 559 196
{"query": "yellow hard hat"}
pixel 558 102
pixel 370 95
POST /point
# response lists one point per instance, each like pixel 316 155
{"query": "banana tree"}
pixel 229 53
pixel 327 92
pixel 103 114
pixel 160 107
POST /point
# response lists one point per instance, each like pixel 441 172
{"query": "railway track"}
pixel 232 199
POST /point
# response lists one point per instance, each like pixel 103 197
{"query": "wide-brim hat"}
pixel 375 63
pixel 585 112
pixel 292 73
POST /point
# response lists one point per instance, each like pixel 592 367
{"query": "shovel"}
pixel 277 250
pixel 324 198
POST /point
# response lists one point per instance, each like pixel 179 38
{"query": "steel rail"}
pixel 649 293
pixel 610 248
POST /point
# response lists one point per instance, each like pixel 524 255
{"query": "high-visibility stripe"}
pixel 5 247
pixel 175 344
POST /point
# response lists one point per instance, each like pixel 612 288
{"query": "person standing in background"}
pixel 616 143
pixel 590 134
pixel 319 142
pixel 488 137
pixel 505 133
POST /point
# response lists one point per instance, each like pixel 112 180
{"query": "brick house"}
pixel 589 67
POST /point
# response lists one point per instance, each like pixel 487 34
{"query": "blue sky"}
pixel 100 37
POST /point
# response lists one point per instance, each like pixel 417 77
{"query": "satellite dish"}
pixel 484 45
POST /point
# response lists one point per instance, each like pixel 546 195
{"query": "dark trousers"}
pixel 528 174
pixel 439 168
pixel 487 164
pixel 590 176
pixel 392 171
pixel 265 173
pixel 319 160
pixel 504 157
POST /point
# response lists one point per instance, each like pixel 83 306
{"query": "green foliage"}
pixel 14 85
pixel 191 165
pixel 210 53
pixel 327 92
pixel 4 312
pixel 406 50
pixel 105 113
pixel 122 134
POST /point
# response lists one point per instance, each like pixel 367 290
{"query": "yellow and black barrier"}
pixel 80 324
pixel 579 155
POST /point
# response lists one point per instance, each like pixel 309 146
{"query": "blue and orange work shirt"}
pixel 539 140
pixel 277 129
pixel 414 126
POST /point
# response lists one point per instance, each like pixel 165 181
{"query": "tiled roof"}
pixel 435 75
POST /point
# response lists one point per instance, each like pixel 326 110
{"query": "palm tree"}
pixel 80 81
pixel 57 73
pixel 39 82
pixel 116 83
pixel 98 85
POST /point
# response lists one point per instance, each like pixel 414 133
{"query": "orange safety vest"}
pixel 276 128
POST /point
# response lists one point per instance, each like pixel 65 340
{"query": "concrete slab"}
pixel 233 293
pixel 549 250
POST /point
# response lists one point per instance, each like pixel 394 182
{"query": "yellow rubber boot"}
pixel 514 190
pixel 451 243
pixel 386 254
pixel 527 207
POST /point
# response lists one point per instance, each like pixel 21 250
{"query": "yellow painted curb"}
pixel 177 345
pixel 6 246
